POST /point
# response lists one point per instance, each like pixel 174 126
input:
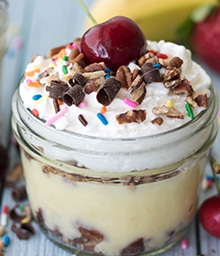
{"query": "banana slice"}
pixel 158 19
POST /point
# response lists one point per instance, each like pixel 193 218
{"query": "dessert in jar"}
pixel 114 145
pixel 3 45
pixel 4 160
pixel 3 28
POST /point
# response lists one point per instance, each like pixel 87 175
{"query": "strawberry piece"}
pixel 206 40
pixel 209 215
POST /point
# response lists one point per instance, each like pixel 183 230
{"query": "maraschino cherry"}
pixel 115 42
pixel 209 212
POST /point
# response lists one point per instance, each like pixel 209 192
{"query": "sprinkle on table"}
pixel 4 216
pixel 6 240
pixel 184 244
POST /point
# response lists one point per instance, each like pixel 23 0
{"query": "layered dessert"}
pixel 114 151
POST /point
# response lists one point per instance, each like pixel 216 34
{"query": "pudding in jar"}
pixel 114 152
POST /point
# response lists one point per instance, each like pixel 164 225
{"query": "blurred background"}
pixel 36 26
pixel 33 27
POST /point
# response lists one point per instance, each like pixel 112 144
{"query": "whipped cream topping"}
pixel 37 97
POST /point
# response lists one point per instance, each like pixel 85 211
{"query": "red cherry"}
pixel 115 42
pixel 206 40
pixel 209 215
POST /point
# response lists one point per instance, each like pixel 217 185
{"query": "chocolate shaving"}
pixel 130 116
pixel 77 79
pixel 89 239
pixel 19 193
pixel 74 95
pixel 108 90
pixel 91 234
pixel 39 217
pixel 15 174
pixel 56 89
pixel 23 231
pixel 150 74
pixel 135 248
pixel 56 105
pixel 14 216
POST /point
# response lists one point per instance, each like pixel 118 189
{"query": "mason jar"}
pixel 4 159
pixel 3 42
pixel 103 196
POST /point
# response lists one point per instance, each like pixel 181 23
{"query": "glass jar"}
pixel 102 196
pixel 4 159
pixel 3 42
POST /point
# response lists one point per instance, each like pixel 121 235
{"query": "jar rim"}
pixel 148 152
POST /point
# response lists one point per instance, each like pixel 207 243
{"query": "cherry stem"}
pixel 87 12
pixel 214 163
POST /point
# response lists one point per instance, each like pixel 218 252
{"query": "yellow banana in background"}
pixel 158 19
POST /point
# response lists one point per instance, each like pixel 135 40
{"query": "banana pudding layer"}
pixel 124 216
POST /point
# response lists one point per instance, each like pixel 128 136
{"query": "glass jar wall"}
pixel 101 196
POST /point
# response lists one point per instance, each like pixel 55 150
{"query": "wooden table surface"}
pixel 29 23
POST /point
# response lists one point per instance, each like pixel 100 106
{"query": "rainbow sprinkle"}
pixel 102 118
